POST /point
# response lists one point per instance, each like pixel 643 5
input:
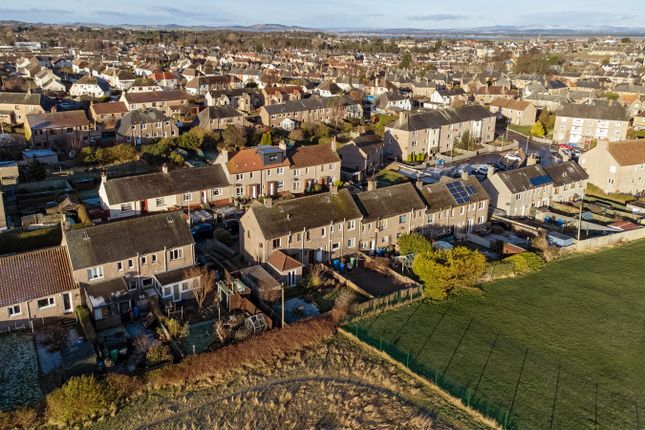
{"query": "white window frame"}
pixel 12 310
pixel 187 197
pixel 51 302
pixel 176 254
pixel 94 273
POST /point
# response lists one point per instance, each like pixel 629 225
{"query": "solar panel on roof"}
pixel 470 189
pixel 458 192
pixel 540 180
pixel 269 149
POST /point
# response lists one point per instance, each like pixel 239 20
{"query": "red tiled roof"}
pixel 109 108
pixel 35 274
pixel 313 155
pixel 282 262
pixel 249 160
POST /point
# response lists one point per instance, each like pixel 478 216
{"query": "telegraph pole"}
pixel 582 204
pixel 282 307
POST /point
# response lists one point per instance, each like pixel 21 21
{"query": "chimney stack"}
pixel 164 168
pixel 282 144
pixel 531 160
pixel 490 172
pixel 371 184
pixel 464 175
pixel 268 202
pixel 334 144
pixel 419 183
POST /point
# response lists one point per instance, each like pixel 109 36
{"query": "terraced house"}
pixel 37 287
pixel 277 170
pixel 162 100
pixel 313 109
pixel 580 125
pixel 337 223
pixel 144 126
pixel 14 107
pixel 119 265
pixel 518 191
pixel 166 190
pixel 437 131
pixel 65 130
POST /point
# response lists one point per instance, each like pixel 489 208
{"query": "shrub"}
pixel 176 329
pixel 538 129
pixel 21 418
pixel 81 397
pixel 123 386
pixel 525 262
pixel 54 337
pixel 315 279
pixel 445 271
pixel 158 353
pixel 413 243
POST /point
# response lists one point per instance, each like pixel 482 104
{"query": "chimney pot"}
pixel 164 168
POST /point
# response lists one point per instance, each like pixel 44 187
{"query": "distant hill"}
pixel 489 31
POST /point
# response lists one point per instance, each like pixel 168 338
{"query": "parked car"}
pixel 232 225
pixel 202 231
pixel 511 156
pixel 483 169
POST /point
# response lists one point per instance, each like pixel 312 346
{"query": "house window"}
pixel 296 172
pixel 239 176
pixel 385 239
pixel 160 201
pixel 276 243
pixel 216 192
pixel 296 184
pixel 335 246
pixel 130 263
pixel 351 225
pixel 154 258
pixel 239 191
pixel 402 219
pixel 14 311
pixel 144 260
pixel 176 254
pixel 280 170
pixel 351 243
pixel 381 224
pixel 126 207
pixel 279 184
pixel 308 235
pixel 187 197
pixel 322 232
pixel 268 172
pixel 481 205
pixel 47 302
pixel 119 266
pixel 95 273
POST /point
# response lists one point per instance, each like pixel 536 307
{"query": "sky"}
pixel 425 14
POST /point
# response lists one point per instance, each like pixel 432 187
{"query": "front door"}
pixel 204 199
pixel 176 293
pixel 67 302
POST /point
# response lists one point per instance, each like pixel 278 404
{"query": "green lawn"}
pixel 583 315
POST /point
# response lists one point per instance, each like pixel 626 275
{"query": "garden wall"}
pixel 612 239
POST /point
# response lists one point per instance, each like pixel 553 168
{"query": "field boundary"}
pixel 447 394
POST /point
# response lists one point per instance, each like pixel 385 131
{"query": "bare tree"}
pixel 207 284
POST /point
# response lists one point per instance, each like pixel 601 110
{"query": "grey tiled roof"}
pixel 120 240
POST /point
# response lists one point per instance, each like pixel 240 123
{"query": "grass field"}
pixel 563 348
